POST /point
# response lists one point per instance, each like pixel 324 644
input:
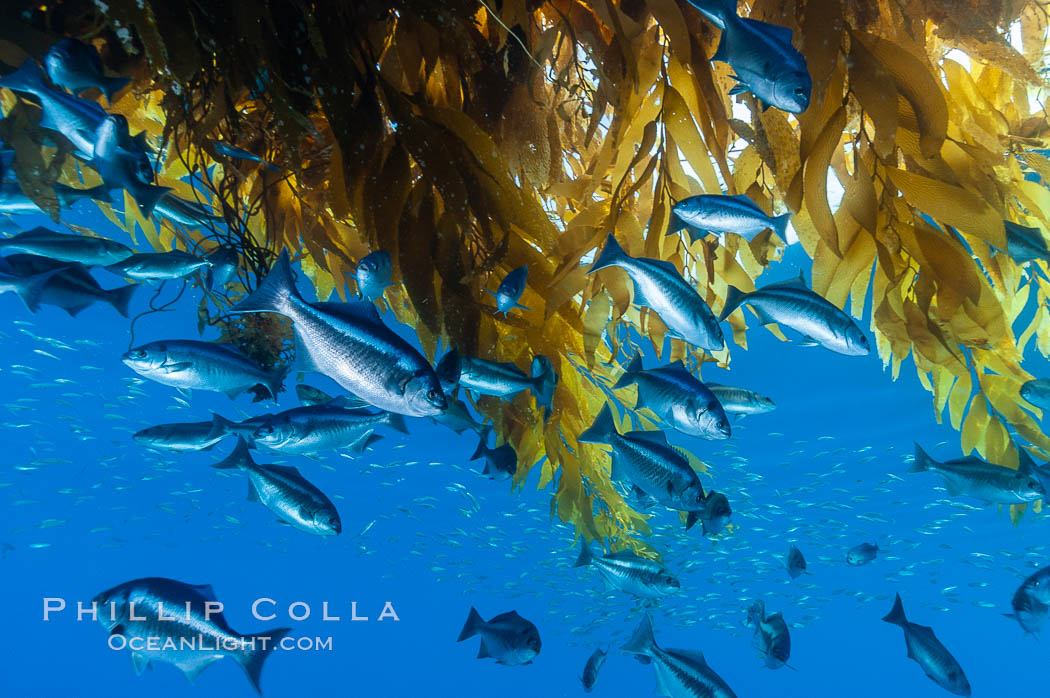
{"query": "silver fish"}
pixel 627 572
pixel 678 398
pixel 679 673
pixel 1031 602
pixel 646 460
pixel 77 66
pixel 772 637
pixel 762 56
pixel 501 462
pixel 13 200
pixel 183 636
pixel 72 287
pixel 862 554
pixel 180 436
pixel 589 677
pixel 159 266
pixel 510 290
pixel 710 214
pixel 66 247
pixel 311 430
pixel 495 378
pixel 508 638
pixel 373 275
pixel 973 477
pixel 796 562
pixel 1037 392
pixel 188 213
pixel 284 491
pixel 659 286
pixel 740 400
pixel 792 304
pixel 349 343
pixel 192 364
pixel 716 513
pixel 929 653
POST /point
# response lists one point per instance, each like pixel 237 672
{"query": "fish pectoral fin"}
pixel 806 341
pixel 139 662
pixel 174 367
pixel 739 88
pixel 639 297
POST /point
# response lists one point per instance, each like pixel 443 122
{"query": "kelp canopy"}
pixel 470 137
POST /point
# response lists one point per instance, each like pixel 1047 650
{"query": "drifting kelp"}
pixel 469 138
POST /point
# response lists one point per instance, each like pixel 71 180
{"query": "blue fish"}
pixel 230 151
pixel 862 554
pixel 762 56
pixel 77 66
pixel 373 274
pixel 708 214
pixel 929 653
pixel 510 290
pixel 120 167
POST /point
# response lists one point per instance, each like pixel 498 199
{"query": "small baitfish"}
pixel 679 673
pixel 660 286
pixel 192 364
pixel 792 304
pixel 973 477
pixel 284 491
pixel 508 638
pixel 929 653
pixel 133 610
pixel 510 290
pixel 772 637
pixel 625 571
pixel 678 398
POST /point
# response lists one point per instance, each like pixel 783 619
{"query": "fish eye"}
pixel 432 394
pixel 137 354
pixel 800 93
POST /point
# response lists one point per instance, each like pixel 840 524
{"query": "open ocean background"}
pixel 86 508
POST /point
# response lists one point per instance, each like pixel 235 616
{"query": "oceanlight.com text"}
pixel 204 643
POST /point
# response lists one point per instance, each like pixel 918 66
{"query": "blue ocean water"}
pixel 87 508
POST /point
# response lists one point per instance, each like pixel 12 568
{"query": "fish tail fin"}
pixel 239 459
pixel 716 11
pixel 483 439
pixel 896 614
pixel 120 298
pixel 603 429
pixel 734 297
pixel 922 461
pixel 221 426
pixel 146 197
pixel 642 642
pixel 544 380
pixel 257 648
pixel 611 255
pixel 111 86
pixel 630 374
pixel 67 196
pixel 780 224
pixel 396 422
pixel 473 625
pixel 30 288
pixel 585 556
pixel 274 293
pixel 27 78
pixel 275 380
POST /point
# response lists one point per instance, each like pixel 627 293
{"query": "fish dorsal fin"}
pixel 1025 464
pixel 654 436
pixel 358 311
pixel 285 470
pixel 692 655
pixel 747 201
pixel 508 617
pixel 800 282
pixel 205 591
pixel 778 32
